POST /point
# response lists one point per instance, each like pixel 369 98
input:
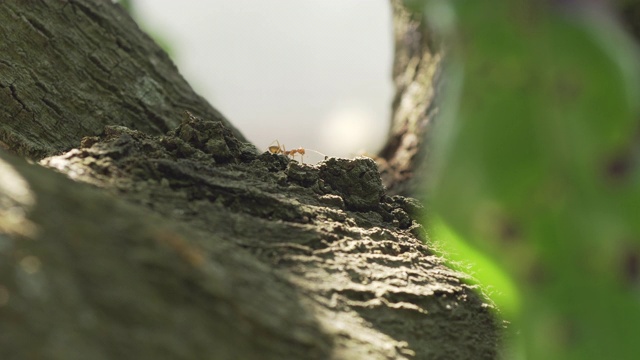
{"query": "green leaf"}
pixel 536 165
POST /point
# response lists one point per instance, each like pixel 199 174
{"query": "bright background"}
pixel 310 73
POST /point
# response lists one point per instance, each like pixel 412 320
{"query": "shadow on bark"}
pixel 190 243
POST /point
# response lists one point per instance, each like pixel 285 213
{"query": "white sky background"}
pixel 310 73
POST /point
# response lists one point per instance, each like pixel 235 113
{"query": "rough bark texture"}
pixel 190 244
pixel 68 68
pixel 416 70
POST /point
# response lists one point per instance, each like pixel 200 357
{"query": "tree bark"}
pixel 68 68
pixel 416 76
pixel 170 237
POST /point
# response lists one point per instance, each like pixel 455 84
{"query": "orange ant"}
pixel 280 149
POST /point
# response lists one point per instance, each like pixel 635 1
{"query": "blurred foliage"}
pixel 126 4
pixel 495 282
pixel 535 166
pixel 130 7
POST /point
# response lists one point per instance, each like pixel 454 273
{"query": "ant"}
pixel 280 149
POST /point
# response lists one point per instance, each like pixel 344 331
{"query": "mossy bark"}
pixel 167 236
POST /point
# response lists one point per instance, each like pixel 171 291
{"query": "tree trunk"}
pixel 68 68
pixel 416 76
pixel 172 238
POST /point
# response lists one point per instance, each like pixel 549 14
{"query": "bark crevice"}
pixel 190 243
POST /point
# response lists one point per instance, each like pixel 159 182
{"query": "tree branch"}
pixel 191 244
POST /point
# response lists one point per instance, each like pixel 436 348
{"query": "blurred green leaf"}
pixel 536 165
pixel 483 270
pixel 157 36
pixel 414 5
pixel 127 5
